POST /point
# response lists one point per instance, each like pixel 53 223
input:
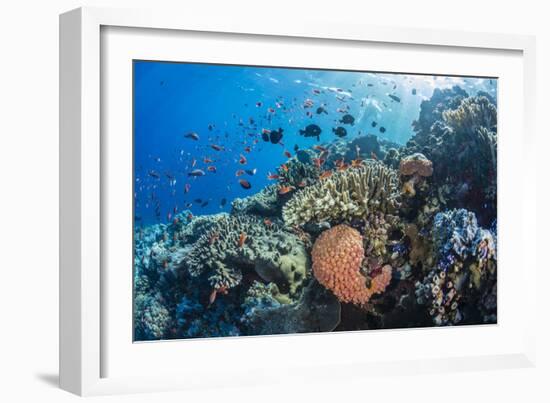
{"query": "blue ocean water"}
pixel 227 107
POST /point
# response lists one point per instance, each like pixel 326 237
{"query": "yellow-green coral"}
pixel 345 195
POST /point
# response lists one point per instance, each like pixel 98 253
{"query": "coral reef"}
pixel 458 134
pixel 465 270
pixel 417 167
pixel 337 257
pixel 264 203
pixel 316 311
pixel 241 241
pixel 346 194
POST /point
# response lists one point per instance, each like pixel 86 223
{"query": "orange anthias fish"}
pixel 287 154
pixel 207 160
pixel 284 167
pixel 301 184
pixel 268 222
pixel 242 239
pixel 271 176
pixel 318 162
pixel 216 147
pixel 245 184
pixel 285 189
pixel 319 148
pixel 356 163
pixel 325 175
pixel 187 188
pixel 247 149
pixel 240 172
pixel 242 160
pixel 211 168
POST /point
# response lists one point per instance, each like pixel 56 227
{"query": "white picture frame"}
pixel 84 169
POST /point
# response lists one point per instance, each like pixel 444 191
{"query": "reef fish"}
pixel 311 130
pixel 347 119
pixel 251 172
pixel 394 97
pixel 196 172
pixel 245 184
pixel 216 147
pixel 373 124
pixel 321 110
pixel 275 136
pixel 413 91
pixel 192 136
pixel 382 129
pixel 340 131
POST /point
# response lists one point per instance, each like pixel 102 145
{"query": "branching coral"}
pixel 239 242
pixel 337 256
pixel 354 192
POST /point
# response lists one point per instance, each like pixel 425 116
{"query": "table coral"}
pixel 337 256
pixel 354 192
pixel 417 166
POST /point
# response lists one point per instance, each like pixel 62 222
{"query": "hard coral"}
pixel 337 256
pixel 354 192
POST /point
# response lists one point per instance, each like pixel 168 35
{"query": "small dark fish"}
pixel 192 136
pixel 413 91
pixel 382 129
pixel 394 97
pixel 321 110
pixel 211 126
pixel 245 184
pixel 223 202
pixel 154 174
pixel 296 147
pixel 265 136
pixel 369 85
pixel 216 147
pixel 347 119
pixel 198 201
pixel 196 172
pixel 251 172
pixel 275 136
pixel 311 131
pixel 340 131
pixel 373 124
pixel 204 204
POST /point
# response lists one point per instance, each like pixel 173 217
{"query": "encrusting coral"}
pixel 337 258
pixel 354 192
pixel 241 241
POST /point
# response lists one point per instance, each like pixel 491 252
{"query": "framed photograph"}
pixel 306 200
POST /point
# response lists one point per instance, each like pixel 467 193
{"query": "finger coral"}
pixel 354 192
pixel 337 256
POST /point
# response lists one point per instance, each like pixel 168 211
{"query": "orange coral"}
pixel 337 256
